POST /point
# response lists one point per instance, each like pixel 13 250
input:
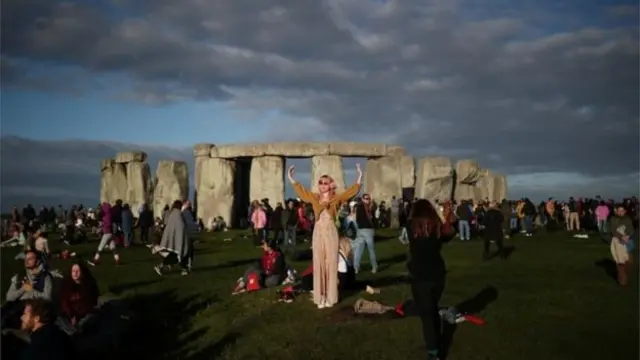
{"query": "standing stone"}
pixel 130 156
pixel 493 187
pixel 466 192
pixel 468 172
pixel 200 153
pixel 383 178
pixel 407 171
pixel 139 185
pixel 172 183
pixel 327 165
pixel 113 181
pixel 216 190
pixel 267 179
pixel 434 179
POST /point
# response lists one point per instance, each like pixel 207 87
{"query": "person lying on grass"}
pixel 269 272
pixel 79 298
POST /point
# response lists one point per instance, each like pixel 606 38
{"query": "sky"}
pixel 544 92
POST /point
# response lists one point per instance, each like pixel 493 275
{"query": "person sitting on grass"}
pixel 18 237
pixel 79 298
pixel 35 283
pixel 269 272
pixel 47 341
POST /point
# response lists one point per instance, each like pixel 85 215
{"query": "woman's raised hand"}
pixel 359 170
pixel 290 173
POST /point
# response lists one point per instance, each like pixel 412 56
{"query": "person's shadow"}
pixel 473 305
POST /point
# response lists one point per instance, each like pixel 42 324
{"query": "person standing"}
pixel 365 238
pixel 174 245
pixel 426 232
pixel 107 236
pixel 621 227
pixel 127 225
pixel 493 222
pixel 325 237
pixel 259 223
pixel 290 224
pixel 145 223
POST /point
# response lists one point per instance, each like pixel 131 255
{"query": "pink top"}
pixel 258 218
pixel 602 212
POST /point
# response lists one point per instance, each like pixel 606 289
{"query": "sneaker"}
pixel 94 262
pixel 158 269
pixel 373 271
pixel 321 305
pixel 184 272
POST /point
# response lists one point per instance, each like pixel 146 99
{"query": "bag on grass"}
pixel 366 307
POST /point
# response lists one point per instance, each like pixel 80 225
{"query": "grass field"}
pixel 555 300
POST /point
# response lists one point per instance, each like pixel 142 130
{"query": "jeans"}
pixel 364 238
pixel 602 225
pixel 404 237
pixel 528 224
pixel 513 223
pixel 290 236
pixel 104 241
pixel 426 296
pixel 464 230
pixel 128 238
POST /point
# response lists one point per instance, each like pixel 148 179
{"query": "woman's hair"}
pixel 177 205
pixel 425 220
pixel 332 183
pixel 344 246
pixel 86 276
pixel 255 204
pixel 602 202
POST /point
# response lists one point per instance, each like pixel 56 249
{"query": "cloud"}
pixel 551 88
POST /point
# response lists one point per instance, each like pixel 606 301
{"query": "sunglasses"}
pixel 366 198
pixel 322 182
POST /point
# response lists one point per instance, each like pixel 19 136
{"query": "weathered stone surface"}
pixel 202 149
pixel 407 171
pixel 215 189
pixel 493 187
pixel 396 151
pixel 466 192
pixel 131 156
pixel 295 149
pixel 354 149
pixel 172 183
pixel 383 178
pixel 139 185
pixel 468 172
pixel 267 179
pixel 327 165
pixel 435 178
pixel 113 181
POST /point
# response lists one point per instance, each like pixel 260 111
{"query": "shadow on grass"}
pixel 160 320
pixel 609 267
pixel 383 238
pixel 388 262
pixel 473 305
pixel 506 253
pixel 120 288
pixel 226 265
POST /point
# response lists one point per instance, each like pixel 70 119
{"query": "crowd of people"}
pixel 339 226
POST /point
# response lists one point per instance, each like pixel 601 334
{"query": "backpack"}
pixel 253 282
pixel 350 231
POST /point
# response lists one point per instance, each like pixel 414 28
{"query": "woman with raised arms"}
pixel 325 237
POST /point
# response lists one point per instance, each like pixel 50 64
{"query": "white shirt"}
pixel 343 265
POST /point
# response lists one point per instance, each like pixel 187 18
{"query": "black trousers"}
pixel 426 296
pixel 144 234
pixel 495 237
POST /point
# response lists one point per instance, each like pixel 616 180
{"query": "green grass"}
pixel 553 303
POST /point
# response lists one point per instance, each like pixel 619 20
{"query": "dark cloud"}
pixel 520 88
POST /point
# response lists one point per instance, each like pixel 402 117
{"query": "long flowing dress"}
pixel 325 266
pixel 325 242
